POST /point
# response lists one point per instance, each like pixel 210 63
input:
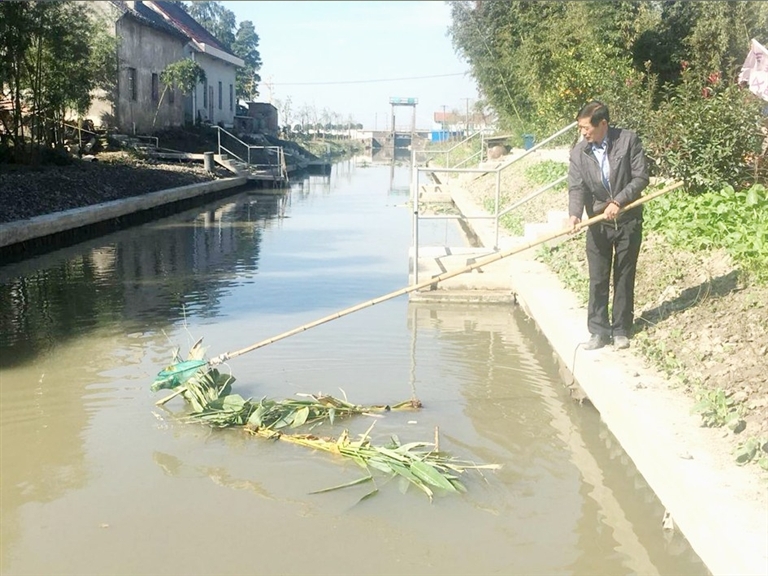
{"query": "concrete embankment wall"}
pixel 25 237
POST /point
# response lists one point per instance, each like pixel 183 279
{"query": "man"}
pixel 607 171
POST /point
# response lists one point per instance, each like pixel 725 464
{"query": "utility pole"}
pixel 444 123
pixel 466 116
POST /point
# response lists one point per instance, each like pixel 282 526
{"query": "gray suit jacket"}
pixel 629 175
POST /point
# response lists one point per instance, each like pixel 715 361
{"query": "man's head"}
pixel 593 120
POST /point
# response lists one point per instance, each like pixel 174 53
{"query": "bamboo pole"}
pixel 429 282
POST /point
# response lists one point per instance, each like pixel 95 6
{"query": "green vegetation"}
pixel 753 449
pixel 570 269
pixel 209 394
pixel 735 220
pixel 718 409
pixel 54 55
pixel 326 147
pixel 241 39
pixel 666 69
pixel 543 173
pixel 183 76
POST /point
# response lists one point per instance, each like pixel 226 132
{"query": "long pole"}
pixel 430 281
pixel 444 276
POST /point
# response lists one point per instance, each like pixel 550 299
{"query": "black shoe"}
pixel 595 342
pixel 620 342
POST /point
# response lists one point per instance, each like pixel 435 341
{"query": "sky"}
pixel 351 57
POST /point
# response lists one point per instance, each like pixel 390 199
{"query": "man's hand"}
pixel 574 221
pixel 611 211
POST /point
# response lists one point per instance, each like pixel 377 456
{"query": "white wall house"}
pixel 151 36
pixel 147 44
pixel 215 101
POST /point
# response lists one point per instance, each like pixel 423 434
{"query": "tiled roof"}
pixel 149 18
pixel 179 18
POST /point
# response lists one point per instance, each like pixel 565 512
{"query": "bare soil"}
pixel 698 318
pixel 27 191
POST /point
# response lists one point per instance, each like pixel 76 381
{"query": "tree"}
pixel 48 68
pixel 284 109
pixel 245 47
pixel 183 75
pixel 222 23
pixel 215 18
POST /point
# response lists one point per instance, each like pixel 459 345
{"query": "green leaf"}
pixel 232 402
pixel 752 196
pixel 362 480
pixel 430 475
pixel 300 417
pixel 370 494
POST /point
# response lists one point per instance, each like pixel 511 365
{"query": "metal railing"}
pixel 498 211
pixel 154 139
pixel 447 153
pixel 256 158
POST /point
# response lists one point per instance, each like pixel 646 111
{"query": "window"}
pixel 205 94
pixel 132 83
pixel 155 87
pixel 219 95
pixel 231 98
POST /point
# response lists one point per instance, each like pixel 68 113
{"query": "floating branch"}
pixel 417 462
pixel 209 393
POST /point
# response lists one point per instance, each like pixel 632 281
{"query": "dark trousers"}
pixel 612 248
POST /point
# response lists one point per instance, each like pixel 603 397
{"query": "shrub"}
pixel 704 133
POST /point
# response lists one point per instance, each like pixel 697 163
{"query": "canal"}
pixel 98 480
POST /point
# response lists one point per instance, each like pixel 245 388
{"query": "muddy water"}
pixel 97 480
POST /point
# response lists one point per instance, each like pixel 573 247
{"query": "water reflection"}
pixel 62 313
pixel 553 449
pixel 142 278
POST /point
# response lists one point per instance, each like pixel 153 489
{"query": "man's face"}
pixel 593 134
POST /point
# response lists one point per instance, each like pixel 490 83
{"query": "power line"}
pixel 366 81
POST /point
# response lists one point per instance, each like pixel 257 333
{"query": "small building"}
pixel 151 36
pixel 261 117
pixel 147 44
pixel 214 101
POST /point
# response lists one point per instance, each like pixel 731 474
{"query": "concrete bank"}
pixel 721 508
pixel 26 232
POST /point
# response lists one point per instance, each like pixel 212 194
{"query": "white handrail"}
pixel 278 166
pixel 496 171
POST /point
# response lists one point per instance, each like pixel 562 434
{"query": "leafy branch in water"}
pixel 419 464
pixel 210 396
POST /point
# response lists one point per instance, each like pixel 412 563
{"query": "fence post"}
pixel 208 161
pixel 496 209
pixel 415 223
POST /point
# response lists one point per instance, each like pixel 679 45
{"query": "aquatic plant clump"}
pixel 419 464
pixel 212 402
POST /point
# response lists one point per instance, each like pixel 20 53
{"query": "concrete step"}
pixel 436 260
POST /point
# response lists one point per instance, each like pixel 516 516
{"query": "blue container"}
pixel 528 141
pixel 439 136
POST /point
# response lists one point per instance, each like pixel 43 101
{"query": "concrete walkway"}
pixel 721 508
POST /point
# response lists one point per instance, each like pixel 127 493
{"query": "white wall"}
pixel 216 71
